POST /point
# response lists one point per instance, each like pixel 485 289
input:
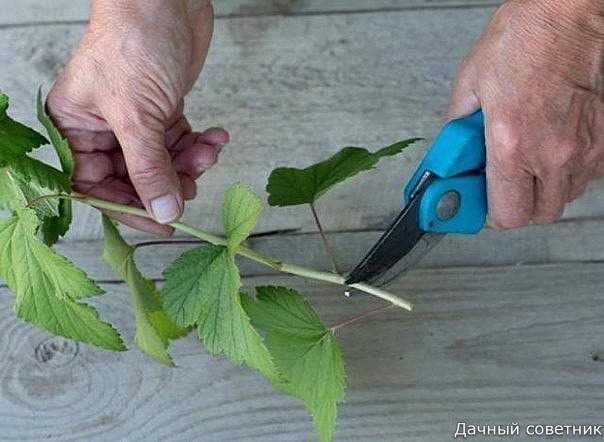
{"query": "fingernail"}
pixel 165 208
pixel 219 146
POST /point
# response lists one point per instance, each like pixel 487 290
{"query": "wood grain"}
pixel 484 346
pixel 293 90
pixel 31 12
pixel 293 81
pixel 570 241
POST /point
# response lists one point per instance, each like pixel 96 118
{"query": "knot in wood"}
pixel 56 351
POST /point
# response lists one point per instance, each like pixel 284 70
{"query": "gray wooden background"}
pixel 508 325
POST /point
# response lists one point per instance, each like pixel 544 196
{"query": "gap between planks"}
pixel 577 241
pixel 484 346
pixel 30 13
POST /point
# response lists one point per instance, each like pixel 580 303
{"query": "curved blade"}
pixel 407 262
pixel 400 247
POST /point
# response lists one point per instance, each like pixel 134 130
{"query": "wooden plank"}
pixel 29 12
pixel 577 241
pixel 484 346
pixel 231 8
pixel 292 90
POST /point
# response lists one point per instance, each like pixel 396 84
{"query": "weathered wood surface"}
pixel 293 81
pixel 27 12
pixel 576 241
pixel 484 346
pixel 294 89
pixel 291 90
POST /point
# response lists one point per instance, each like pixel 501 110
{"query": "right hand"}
pixel 120 103
pixel 537 72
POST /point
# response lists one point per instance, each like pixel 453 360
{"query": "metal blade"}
pixel 410 260
pixel 403 239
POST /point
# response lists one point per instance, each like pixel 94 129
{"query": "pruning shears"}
pixel 447 194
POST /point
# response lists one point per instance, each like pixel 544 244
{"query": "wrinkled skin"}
pixel 120 103
pixel 537 72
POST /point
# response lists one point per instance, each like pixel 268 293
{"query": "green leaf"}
pixel 202 288
pixel 165 326
pixel 47 286
pixel 304 350
pixel 57 226
pixel 32 178
pixel 197 274
pixel 60 143
pixel 288 186
pixel 30 192
pixel 44 175
pixel 11 196
pixel 153 327
pixel 240 213
pixel 15 138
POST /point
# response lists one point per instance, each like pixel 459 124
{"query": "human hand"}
pixel 538 74
pixel 120 103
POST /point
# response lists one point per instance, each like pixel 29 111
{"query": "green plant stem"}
pixel 170 242
pixel 249 253
pixel 326 246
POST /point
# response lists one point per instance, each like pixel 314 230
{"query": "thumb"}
pixel 150 167
pixel 464 99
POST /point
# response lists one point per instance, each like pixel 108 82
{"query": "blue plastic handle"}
pixel 457 158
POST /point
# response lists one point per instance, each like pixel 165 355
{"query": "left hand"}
pixel 120 103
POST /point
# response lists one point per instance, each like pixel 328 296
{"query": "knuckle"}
pixel 136 120
pixel 505 142
pixel 563 155
pixel 93 167
pixel 148 174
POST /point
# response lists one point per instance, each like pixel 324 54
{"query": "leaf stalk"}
pixel 326 246
pixel 246 252
pixel 360 317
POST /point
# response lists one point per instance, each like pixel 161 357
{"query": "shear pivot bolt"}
pixel 447 205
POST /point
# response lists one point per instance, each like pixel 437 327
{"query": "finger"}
pixel 577 192
pixel 150 166
pixel 195 160
pixel 119 164
pixel 92 167
pixel 510 184
pixel 110 189
pixel 599 169
pixel 122 193
pixel 581 179
pixel 578 185
pixel 551 194
pixel 189 188
pixel 464 99
pixel 216 136
pixel 510 198
pixel 139 223
pixel 90 140
pixel 176 131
